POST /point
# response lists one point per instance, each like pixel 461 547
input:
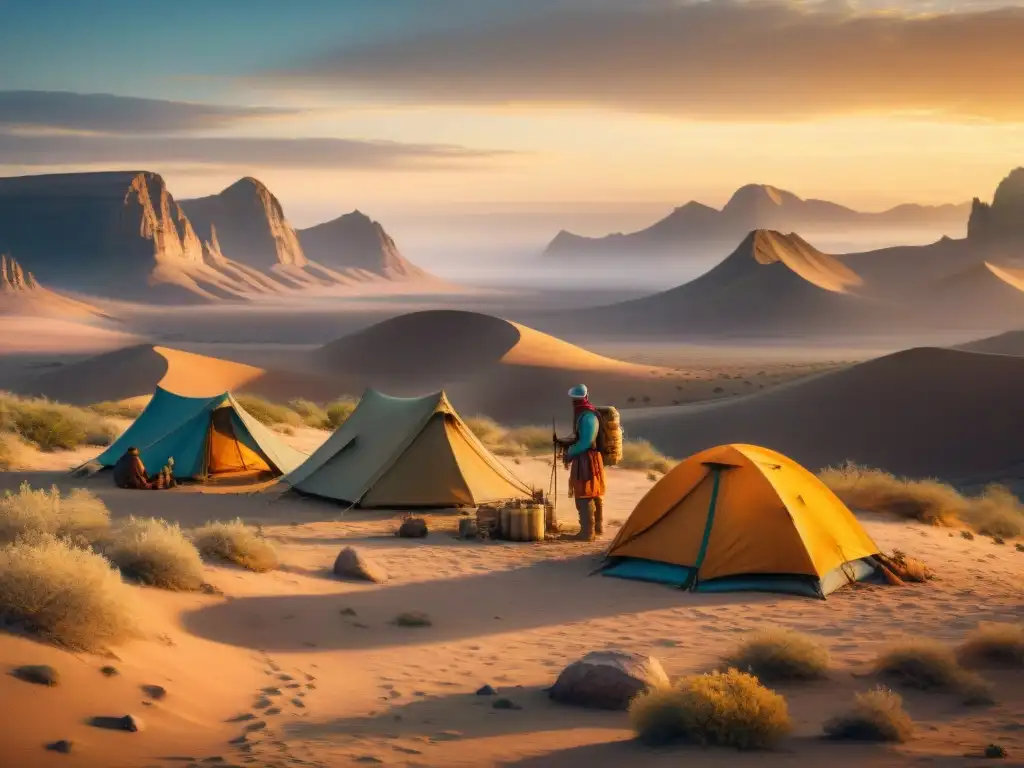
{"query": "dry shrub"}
pixel 996 512
pixel 781 655
pixel 877 715
pixel 53 426
pixel 509 442
pixel 65 595
pixel 339 410
pixel 640 454
pixel 906 568
pixel 994 644
pixel 930 666
pixel 532 439
pixel 29 513
pixel 115 409
pixel 312 415
pixel 269 413
pixel 874 490
pixel 721 708
pixel 14 452
pixel 237 543
pixel 156 553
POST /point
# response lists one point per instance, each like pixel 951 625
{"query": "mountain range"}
pixel 696 226
pixel 777 284
pixel 123 235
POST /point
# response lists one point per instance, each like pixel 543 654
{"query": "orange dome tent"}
pixel 740 517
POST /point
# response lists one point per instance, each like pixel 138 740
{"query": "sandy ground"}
pixel 314 672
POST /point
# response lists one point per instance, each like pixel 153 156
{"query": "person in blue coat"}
pixel 585 464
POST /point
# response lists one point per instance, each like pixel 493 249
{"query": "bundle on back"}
pixel 609 436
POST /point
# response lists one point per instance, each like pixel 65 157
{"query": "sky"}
pixel 591 114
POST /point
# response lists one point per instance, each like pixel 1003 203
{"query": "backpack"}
pixel 609 435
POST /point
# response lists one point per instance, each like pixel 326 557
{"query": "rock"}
pixel 486 691
pixel 505 704
pixel 155 692
pixel 109 671
pixel 351 564
pixel 607 679
pixel 39 674
pixel 130 723
pixel 63 746
pixel 1003 220
pixel 413 528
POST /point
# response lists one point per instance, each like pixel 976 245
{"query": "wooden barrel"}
pixel 537 522
pixel 517 518
pixel 504 522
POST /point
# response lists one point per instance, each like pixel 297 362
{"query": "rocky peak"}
pixel 13 277
pixel 161 219
pixel 355 241
pixel 1003 219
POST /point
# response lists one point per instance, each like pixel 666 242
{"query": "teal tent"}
pixel 206 436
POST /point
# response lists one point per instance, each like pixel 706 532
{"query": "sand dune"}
pixel 48 335
pixel 922 412
pixel 487 364
pixel 135 371
pixel 1009 343
pixel 771 285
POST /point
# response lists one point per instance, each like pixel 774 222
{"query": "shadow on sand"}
pixel 547 593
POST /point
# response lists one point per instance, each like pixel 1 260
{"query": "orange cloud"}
pixel 721 60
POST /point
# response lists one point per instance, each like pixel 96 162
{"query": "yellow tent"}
pixel 740 517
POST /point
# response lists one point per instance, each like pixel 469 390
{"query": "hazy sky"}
pixel 432 108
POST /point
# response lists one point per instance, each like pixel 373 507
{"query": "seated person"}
pixel 130 472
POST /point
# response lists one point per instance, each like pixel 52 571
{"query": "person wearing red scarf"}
pixel 585 464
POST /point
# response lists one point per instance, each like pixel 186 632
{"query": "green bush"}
pixel 339 410
pixel 115 409
pixel 312 415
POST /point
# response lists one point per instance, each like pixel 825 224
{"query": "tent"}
pixel 740 517
pixel 406 452
pixel 207 436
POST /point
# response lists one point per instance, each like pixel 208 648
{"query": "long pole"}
pixel 554 474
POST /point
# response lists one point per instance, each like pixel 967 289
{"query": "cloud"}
pixel 312 153
pixel 722 60
pixel 105 113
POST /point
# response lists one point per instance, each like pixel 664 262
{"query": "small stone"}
pixel 413 528
pixel 369 759
pixel 298 703
pixel 38 674
pixel 505 704
pixel 273 711
pixel 130 723
pixel 352 564
pixel 271 691
pixel 259 725
pixel 155 692
pixel 63 746
pixel 242 717
pixel 310 686
pixel 262 703
pixel 995 752
pixel 486 691
pixel 286 678
pixel 348 611
pixel 109 671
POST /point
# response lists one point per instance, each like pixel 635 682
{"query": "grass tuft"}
pixel 931 666
pixel 59 593
pixel 156 553
pixel 729 709
pixel 237 543
pixel 781 655
pixel 79 516
pixel 995 512
pixel 269 413
pixel 877 715
pixel 998 645
pixel 640 454
pixel 115 409
pixel 53 426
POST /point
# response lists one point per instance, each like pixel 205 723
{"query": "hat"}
pixel 578 392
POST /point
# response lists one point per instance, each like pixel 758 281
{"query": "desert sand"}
pixel 318 662
pixel 920 413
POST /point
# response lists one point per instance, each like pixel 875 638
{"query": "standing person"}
pixel 585 464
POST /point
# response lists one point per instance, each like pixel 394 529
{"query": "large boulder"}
pixel 351 564
pixel 607 679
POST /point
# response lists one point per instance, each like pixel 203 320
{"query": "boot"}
pixel 599 517
pixel 585 508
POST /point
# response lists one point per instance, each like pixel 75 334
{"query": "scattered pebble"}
pixel 130 723
pixel 155 692
pixel 38 674
pixel 486 691
pixel 63 746
pixel 505 704
pixel 109 671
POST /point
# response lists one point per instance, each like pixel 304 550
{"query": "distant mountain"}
pixel 1000 225
pixel 21 294
pixel 121 234
pixel 357 246
pixel 772 284
pixel 754 206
